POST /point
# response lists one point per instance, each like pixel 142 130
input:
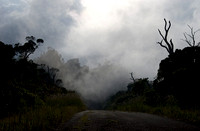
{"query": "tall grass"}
pixel 192 116
pixel 56 110
pixel 171 111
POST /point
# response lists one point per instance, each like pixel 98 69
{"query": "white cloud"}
pixel 123 32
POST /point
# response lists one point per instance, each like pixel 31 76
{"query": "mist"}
pixel 109 38
pixel 95 85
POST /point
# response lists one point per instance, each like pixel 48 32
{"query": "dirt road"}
pixel 96 120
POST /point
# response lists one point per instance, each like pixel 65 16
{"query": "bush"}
pixel 56 110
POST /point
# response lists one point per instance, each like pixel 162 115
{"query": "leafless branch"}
pixel 186 39
pixel 191 42
pixel 169 45
pixel 160 43
pixel 132 78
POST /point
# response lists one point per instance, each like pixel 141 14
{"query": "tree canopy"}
pixel 178 73
pixel 28 48
pixel 23 82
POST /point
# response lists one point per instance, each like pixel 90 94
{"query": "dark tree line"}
pixel 178 74
pixel 177 82
pixel 23 82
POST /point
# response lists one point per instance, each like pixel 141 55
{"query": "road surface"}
pixel 97 120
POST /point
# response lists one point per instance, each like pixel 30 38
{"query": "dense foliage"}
pixel 140 89
pixel 174 92
pixel 178 76
pixel 23 82
pixel 56 110
pixel 176 82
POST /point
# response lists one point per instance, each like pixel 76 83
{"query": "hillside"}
pixel 31 97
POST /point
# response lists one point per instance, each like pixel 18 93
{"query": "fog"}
pixel 111 37
pixel 95 85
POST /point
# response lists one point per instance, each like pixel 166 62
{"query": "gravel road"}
pixel 100 120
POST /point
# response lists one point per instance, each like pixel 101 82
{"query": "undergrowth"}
pixel 54 111
pixel 171 111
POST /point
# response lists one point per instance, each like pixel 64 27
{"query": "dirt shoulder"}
pixel 100 120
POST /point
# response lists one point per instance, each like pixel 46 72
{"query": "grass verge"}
pixel 137 105
pixel 56 109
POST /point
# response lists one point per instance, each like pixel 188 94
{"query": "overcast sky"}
pixel 95 31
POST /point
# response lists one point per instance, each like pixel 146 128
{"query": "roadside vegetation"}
pixel 31 96
pixel 175 91
pixel 127 101
pixel 49 116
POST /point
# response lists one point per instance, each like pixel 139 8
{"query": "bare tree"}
pixel 132 78
pixel 169 46
pixel 190 38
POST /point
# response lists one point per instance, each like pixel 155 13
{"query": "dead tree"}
pixel 169 46
pixel 191 40
pixel 132 78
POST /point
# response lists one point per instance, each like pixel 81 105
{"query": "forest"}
pixel 31 98
pixel 28 88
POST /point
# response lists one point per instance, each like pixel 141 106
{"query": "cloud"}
pixel 122 32
pixel 50 20
pixel 126 33
pixel 95 85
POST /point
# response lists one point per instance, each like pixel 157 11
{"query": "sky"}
pixel 98 31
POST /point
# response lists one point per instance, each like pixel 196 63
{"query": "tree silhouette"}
pixel 132 78
pixel 178 76
pixel 178 73
pixel 191 40
pixel 24 51
pixel 24 83
pixel 169 44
